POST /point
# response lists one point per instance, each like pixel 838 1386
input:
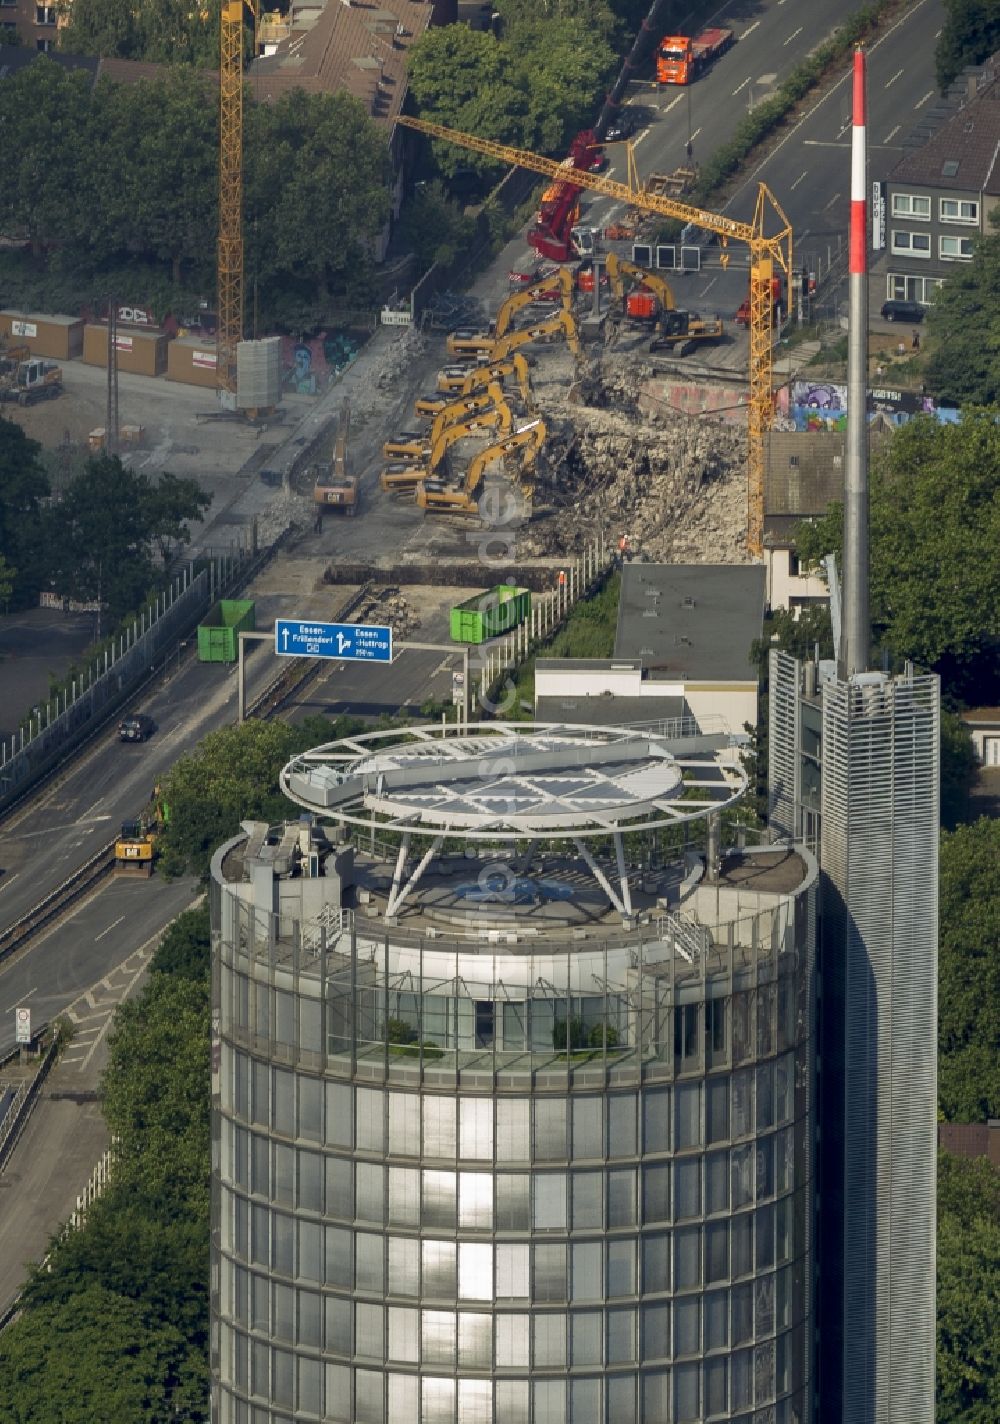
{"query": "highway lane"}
pixel 78 952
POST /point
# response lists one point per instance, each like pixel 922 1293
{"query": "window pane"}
pixel 587 1262
pixel 513 1343
pixel 620 1393
pixel 621 1125
pixel 621 1197
pixel 716 1320
pixel 687 1109
pixel 370 1121
pixel 437 1343
pixel 370 1187
pixel 513 1278
pixel 550 1201
pixel 656 1120
pixel 475 1197
pixel 716 1182
pixel 475 1271
pixel 404 1196
pixel 717 1251
pixel 550 1272
pixel 687 1392
pixel 687 1257
pixel 621 1268
pixel 550 1341
pixel 588 1127
pixel 716 1382
pixel 310 1108
pixel 585 1401
pixel 550 1401
pixel 404 1266
pixel 512 1401
pixel 656 1398
pixel 588 1337
pixel 512 1130
pixel 656 1332
pixel 439 1267
pixel 656 1193
pixel 368 1331
pixel 439 1204
pixel 742 1241
pixel 403 1334
pixel 687 1188
pixel 340 1187
pixel 475 1401
pixel 404 1124
pixel 621 1336
pixel 475 1341
pixel 404 1397
pixel 368 1262
pixel 513 1202
pixel 718 1109
pixel 437 1400
pixel 550 1129
pixel 477 1128
pixel 588 1201
pixel 687 1326
pixel 655 1264
pixel 439 1127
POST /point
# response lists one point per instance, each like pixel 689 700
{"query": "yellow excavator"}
pixel 417 444
pixel 408 476
pixel 563 321
pixel 560 280
pixel 334 488
pixel 433 496
pixel 516 366
pixel 135 848
pixel 620 270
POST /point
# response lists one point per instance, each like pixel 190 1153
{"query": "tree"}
pixel 968 1287
pixel 102 27
pixel 43 112
pixel 964 361
pixel 160 31
pixel 169 505
pixel 433 226
pixel 185 950
pixel 97 1356
pixel 563 68
pixel 6 580
pixel 958 769
pixel 970 34
pixel 969 973
pixel 935 548
pixel 23 486
pixel 464 79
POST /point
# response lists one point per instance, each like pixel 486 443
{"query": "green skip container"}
pixel 219 634
pixel 487 615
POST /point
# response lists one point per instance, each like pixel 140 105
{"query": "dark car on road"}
pixel 902 311
pixel 136 727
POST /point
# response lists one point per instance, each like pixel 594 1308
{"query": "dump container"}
pixel 641 305
pixel 487 615
pixel 60 338
pixel 142 352
pixel 218 635
pixel 192 359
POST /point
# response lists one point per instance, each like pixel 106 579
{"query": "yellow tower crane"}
pixel 230 253
pixel 768 252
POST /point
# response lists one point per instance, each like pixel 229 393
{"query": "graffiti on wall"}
pixel 309 366
pixel 821 406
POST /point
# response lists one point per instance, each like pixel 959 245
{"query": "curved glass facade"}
pixel 506 1183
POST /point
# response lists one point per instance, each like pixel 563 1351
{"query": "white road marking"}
pixel 894 78
pixel 793 36
pixel 921 102
pixel 696 133
pixel 799 180
pixel 25 996
pixel 672 105
pixel 742 86
pixel 750 30
pixel 823 143
pixel 829 204
pixel 891 134
pixel 7 880
pixel 109 928
pixel 708 286
pixel 636 142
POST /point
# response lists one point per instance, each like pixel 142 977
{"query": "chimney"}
pixel 852 655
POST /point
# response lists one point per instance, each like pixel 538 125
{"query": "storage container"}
pixel 218 634
pixel 144 353
pixel 487 615
pixel 58 337
pixel 193 360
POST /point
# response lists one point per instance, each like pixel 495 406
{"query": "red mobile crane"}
pixel 554 234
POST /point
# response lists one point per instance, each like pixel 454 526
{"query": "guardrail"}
pixel 17 1116
pixel 57 900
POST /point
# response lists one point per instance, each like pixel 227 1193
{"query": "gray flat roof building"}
pixel 695 621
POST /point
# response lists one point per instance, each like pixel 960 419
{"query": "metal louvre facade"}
pixel 880 798
pixel 480 1226
pixel 784 796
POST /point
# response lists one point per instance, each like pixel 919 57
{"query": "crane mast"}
pixel 768 252
pixel 230 251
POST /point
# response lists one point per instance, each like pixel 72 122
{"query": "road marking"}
pixel 696 133
pixel 636 142
pixel 709 286
pixel 25 996
pixel 750 31
pixel 8 880
pixel 799 180
pixel 823 143
pixel 829 204
pixel 741 86
pixel 894 78
pixel 672 105
pixel 921 102
pixel 109 929
pixel 793 36
pixel 891 134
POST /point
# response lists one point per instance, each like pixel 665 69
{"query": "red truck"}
pixel 680 59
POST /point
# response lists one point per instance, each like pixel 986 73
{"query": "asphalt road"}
pixel 809 170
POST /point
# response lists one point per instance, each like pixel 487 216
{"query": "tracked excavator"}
pixel 559 283
pixel 644 294
pixel 433 496
pixel 563 321
pixel 497 370
pixel 334 488
pixel 408 476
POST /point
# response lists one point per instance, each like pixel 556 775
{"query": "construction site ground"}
pixel 619 459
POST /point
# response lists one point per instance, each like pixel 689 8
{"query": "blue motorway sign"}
pixel 358 642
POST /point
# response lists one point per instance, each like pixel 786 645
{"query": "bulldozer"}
pixel 433 496
pixel 408 476
pixel 334 488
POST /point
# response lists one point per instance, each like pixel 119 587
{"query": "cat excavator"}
pixel 418 443
pixel 516 366
pixel 650 293
pixel 561 281
pixel 408 476
pixel 563 321
pixel 432 495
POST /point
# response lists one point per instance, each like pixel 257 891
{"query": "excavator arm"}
pixel 562 278
pixel 563 322
pixel 618 269
pixel 515 366
pixel 466 499
pixel 496 413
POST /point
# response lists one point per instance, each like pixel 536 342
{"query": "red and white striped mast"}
pixel 856 630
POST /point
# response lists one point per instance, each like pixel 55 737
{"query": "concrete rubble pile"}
pixel 675 485
pixel 387 605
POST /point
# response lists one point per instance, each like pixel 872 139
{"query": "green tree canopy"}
pixel 970 34
pixel 43 119
pixel 964 361
pixel 23 487
pixel 158 31
pixel 968 1288
pixel 969 973
pixel 935 548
